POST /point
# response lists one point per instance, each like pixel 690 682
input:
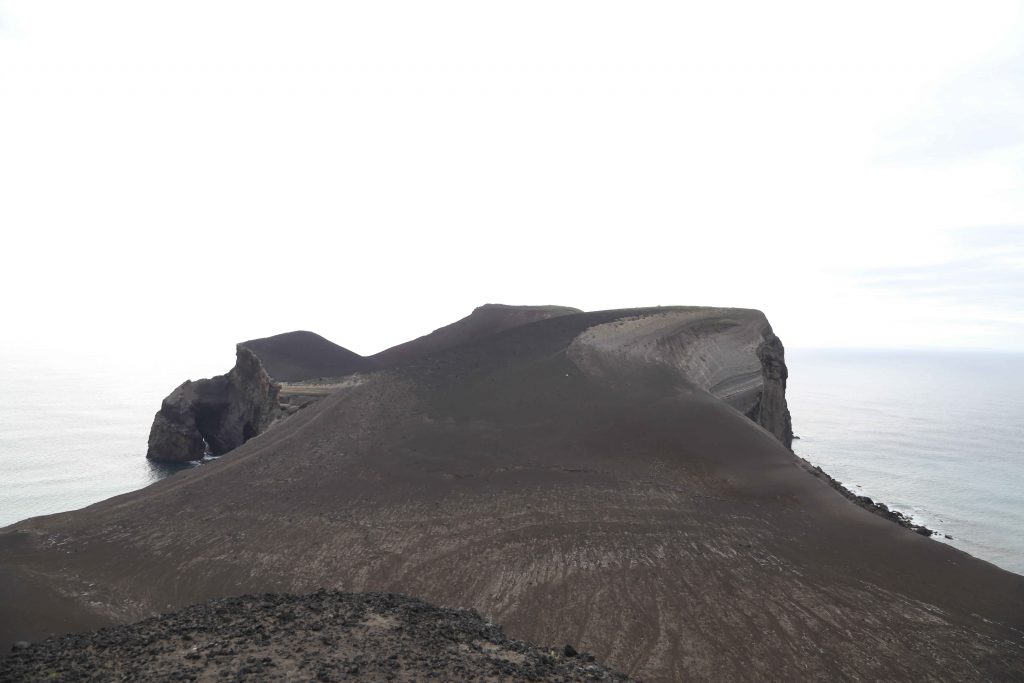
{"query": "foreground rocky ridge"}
pixel 590 478
pixel 324 636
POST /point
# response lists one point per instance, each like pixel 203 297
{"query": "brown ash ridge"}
pixel 214 416
pixel 323 636
pixel 302 355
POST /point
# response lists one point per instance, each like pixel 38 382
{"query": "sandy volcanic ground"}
pixel 611 502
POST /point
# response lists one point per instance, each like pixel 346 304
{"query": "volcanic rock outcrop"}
pixel 215 415
pixel 323 636
pixel 590 478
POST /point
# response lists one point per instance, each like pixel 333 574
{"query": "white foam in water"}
pixel 938 436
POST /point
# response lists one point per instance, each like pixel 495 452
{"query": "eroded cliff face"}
pixel 215 415
pixel 771 411
pixel 730 353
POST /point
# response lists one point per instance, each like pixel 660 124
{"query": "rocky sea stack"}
pixel 215 415
pixel 618 480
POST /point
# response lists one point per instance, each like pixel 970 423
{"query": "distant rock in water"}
pixel 324 636
pixel 483 322
pixel 298 356
pixel 215 415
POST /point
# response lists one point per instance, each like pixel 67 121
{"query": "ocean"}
pixel 73 430
pixel 937 436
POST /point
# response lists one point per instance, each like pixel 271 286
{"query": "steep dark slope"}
pixel 483 322
pixel 586 479
pixel 301 355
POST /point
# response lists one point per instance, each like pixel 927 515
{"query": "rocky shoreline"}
pixel 867 503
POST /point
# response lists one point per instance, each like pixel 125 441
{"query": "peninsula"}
pixel 619 480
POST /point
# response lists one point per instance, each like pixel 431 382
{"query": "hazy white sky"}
pixel 190 174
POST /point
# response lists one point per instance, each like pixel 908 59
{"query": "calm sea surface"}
pixel 73 433
pixel 939 436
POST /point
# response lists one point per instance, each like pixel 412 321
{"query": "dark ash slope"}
pixel 483 322
pixel 301 355
pixel 590 478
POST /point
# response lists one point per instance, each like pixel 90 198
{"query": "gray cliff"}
pixel 730 353
pixel 771 411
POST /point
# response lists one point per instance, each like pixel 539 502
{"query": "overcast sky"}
pixel 184 175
